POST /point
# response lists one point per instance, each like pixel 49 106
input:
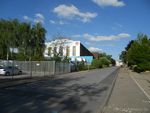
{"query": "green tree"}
pixel 28 40
pixel 137 54
pixel 101 62
pixel 104 61
pixel 37 41
pixel 96 63
pixel 123 56
pixel 25 35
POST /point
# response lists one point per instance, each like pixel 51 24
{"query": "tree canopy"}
pixel 27 39
pixel 103 60
pixel 137 53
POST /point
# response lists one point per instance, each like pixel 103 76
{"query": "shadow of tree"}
pixel 62 95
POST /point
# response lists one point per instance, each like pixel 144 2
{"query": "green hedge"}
pixel 101 62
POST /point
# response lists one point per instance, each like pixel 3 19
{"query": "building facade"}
pixel 65 47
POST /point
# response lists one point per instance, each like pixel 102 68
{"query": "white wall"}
pixel 69 43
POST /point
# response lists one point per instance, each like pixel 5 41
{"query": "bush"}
pixel 91 67
pixel 104 62
pixel 145 66
pixel 81 66
pixel 96 63
pixel 137 69
pixel 100 63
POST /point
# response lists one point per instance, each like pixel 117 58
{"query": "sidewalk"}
pixel 143 80
pixel 126 96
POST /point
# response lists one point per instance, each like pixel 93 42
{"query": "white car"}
pixel 10 70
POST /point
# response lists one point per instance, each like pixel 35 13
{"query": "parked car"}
pixel 10 70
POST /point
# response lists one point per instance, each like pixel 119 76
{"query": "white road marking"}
pixel 141 88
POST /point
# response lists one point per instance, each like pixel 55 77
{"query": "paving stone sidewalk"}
pixel 126 96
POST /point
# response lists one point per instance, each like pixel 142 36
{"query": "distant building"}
pixel 119 63
pixel 65 47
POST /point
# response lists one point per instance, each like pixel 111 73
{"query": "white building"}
pixel 119 63
pixel 70 48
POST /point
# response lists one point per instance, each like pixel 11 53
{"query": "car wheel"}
pixel 7 74
pixel 20 73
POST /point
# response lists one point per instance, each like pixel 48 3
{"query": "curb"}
pixel 109 92
pixel 89 70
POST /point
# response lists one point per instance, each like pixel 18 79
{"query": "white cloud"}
pixel 94 49
pixel 39 18
pixel 104 38
pixel 87 43
pixel 107 45
pixel 52 21
pixel 60 22
pixel 119 25
pixel 114 3
pixel 101 45
pixel 39 15
pixel 26 18
pixel 72 12
pixel 76 36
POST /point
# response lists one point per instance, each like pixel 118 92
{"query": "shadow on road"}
pixel 63 95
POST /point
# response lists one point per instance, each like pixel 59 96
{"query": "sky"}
pixel 100 25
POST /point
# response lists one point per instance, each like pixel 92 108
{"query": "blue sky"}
pixel 106 25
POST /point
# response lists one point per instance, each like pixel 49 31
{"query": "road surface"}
pixel 81 92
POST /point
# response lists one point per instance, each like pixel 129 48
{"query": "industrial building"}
pixel 65 47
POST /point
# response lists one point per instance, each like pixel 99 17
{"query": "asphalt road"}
pixel 81 92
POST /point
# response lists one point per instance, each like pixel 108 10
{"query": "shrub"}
pixel 137 69
pixel 144 66
pixel 141 67
pixel 96 63
pixel 81 66
pixel 102 62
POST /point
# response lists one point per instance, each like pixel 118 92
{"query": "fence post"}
pixel 44 67
pixel 30 68
pixel 69 68
pixel 49 66
pixel 54 67
pixel 13 69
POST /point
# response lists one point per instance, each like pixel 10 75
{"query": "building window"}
pixel 74 50
pixel 67 51
pixel 49 51
pixel 61 51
